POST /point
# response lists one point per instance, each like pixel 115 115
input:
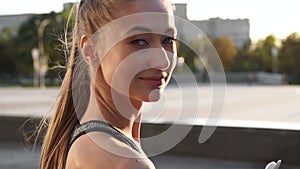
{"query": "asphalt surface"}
pixel 20 157
pixel 238 103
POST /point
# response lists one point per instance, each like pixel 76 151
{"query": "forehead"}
pixel 135 24
pixel 148 22
pixel 140 23
pixel 155 16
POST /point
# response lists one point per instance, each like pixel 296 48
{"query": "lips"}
pixel 154 81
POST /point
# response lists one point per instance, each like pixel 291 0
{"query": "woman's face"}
pixel 141 63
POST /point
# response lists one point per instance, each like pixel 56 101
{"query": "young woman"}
pixel 123 54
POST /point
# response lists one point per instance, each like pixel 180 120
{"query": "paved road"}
pixel 242 105
pixel 18 157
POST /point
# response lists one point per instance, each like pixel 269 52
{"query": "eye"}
pixel 139 42
pixel 169 41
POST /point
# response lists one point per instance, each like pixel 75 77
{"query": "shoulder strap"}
pixel 101 126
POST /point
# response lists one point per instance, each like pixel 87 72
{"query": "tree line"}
pixel 16 47
pixel 17 63
pixel 267 55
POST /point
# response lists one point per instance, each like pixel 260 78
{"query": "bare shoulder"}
pixel 87 152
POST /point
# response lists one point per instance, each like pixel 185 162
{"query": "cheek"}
pixel 173 60
pixel 120 73
pixel 106 69
pixel 110 62
pixel 108 66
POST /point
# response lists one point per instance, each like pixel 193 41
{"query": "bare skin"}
pixel 85 153
pixel 90 150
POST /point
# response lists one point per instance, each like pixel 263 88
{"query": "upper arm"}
pixel 138 163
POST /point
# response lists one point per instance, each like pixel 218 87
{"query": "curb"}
pixel 232 143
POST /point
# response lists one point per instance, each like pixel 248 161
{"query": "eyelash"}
pixel 137 41
pixel 167 41
pixel 171 40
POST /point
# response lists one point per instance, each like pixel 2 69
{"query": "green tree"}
pixel 24 41
pixel 226 50
pixel 16 48
pixel 247 60
pixel 289 58
pixel 7 67
pixel 188 54
pixel 266 54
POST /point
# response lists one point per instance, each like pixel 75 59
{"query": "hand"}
pixel 273 165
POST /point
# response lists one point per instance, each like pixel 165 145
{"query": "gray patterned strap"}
pixel 96 125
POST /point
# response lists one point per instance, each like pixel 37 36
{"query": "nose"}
pixel 161 59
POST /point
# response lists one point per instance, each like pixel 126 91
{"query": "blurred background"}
pixel 258 43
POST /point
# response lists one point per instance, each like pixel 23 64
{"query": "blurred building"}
pixel 12 22
pixel 238 30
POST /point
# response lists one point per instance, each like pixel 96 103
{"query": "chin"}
pixel 155 95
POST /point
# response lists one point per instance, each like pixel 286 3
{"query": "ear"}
pixel 87 50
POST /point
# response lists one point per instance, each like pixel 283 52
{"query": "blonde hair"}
pixel 91 15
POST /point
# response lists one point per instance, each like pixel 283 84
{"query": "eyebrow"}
pixel 144 29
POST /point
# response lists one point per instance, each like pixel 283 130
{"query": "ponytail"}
pixel 64 119
pixel 75 90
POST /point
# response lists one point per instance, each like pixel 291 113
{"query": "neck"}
pixel 119 111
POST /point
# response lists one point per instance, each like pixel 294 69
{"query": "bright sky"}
pixel 278 17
